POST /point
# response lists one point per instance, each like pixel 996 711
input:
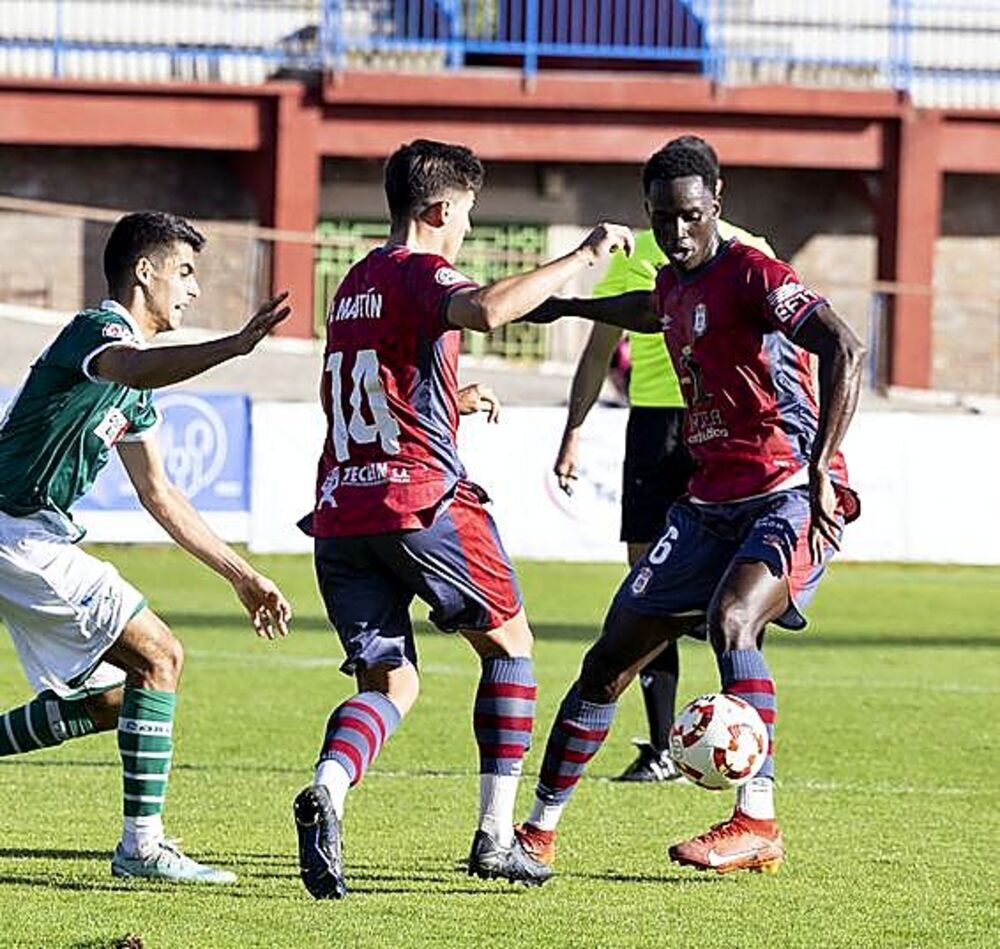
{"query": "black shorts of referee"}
pixel 655 473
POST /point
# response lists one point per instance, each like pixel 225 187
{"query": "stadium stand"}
pixel 943 52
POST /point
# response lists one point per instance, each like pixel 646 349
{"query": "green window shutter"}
pixel 492 251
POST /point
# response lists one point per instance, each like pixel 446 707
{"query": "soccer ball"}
pixel 718 741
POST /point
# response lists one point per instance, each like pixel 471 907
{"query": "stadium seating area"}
pixel 944 52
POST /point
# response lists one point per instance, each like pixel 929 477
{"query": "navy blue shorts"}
pixel 457 566
pixel 682 570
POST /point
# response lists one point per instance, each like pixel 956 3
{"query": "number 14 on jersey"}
pixel 365 386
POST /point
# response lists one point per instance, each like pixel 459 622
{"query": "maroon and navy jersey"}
pixel 389 391
pixel 752 412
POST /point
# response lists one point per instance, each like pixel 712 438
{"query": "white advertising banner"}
pixel 928 483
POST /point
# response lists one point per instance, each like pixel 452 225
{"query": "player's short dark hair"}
pixel 697 143
pixel 682 159
pixel 141 234
pixel 418 174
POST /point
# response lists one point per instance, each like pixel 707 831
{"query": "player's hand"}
pixel 269 314
pixel 269 610
pixel 823 523
pixel 605 239
pixel 479 398
pixel 567 462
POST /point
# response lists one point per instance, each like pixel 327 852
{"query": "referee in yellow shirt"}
pixel 656 467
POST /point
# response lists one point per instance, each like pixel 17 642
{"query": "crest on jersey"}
pixel 116 331
pixel 699 322
pixel 448 277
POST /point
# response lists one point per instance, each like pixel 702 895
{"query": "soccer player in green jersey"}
pixel 656 466
pixel 96 655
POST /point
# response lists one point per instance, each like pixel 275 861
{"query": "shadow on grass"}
pixel 587 633
pixel 60 883
pixel 41 853
pixel 645 879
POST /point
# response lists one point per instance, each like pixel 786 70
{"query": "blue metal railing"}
pixel 942 51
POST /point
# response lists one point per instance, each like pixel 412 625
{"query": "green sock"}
pixel 45 721
pixel 146 745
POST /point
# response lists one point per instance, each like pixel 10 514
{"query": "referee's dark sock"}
pixel 659 693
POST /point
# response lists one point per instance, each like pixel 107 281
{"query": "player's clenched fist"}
pixel 605 239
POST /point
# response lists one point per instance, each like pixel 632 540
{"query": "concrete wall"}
pixel 56 262
pixel 821 221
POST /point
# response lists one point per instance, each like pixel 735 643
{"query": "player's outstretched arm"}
pixel 587 382
pixel 269 611
pixel 630 311
pixel 165 365
pixel 486 308
pixel 841 358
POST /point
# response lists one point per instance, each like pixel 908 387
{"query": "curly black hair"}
pixel 682 158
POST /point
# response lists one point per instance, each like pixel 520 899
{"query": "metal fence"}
pixel 945 52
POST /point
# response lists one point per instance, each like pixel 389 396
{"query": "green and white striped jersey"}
pixel 58 432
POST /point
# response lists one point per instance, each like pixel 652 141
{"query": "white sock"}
pixel 545 816
pixel 756 798
pixel 332 775
pixel 497 793
pixel 141 834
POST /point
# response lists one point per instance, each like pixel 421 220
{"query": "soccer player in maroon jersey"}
pixel 766 503
pixel 395 516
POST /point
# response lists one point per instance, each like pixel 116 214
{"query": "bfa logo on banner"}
pixel 193 441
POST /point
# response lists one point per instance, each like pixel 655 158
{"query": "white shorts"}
pixel 64 608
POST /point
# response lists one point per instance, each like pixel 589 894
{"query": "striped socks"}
pixel 355 734
pixel 146 745
pixel 45 721
pixel 577 735
pixel 503 716
pixel 744 673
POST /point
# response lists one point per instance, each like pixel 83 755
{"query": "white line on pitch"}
pixel 861 683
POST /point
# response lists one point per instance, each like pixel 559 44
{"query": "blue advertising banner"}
pixel 205 441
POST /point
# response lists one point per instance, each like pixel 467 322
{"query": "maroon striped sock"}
pixel 504 714
pixel 356 731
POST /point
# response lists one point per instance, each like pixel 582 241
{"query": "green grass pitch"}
pixel 887 765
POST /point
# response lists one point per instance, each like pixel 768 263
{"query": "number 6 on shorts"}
pixel 663 546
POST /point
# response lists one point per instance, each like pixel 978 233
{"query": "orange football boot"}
pixel 740 843
pixel 538 843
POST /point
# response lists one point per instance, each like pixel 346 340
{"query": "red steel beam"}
pixel 853 143
pixel 155 117
pixel 613 92
pixel 294 189
pixel 969 145
pixel 908 230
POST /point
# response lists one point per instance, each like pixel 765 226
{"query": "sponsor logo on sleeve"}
pixel 788 300
pixel 448 277
pixel 112 426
